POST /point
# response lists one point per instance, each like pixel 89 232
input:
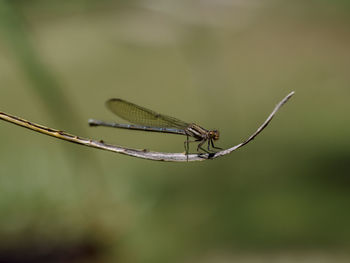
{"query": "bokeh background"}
pixel 221 63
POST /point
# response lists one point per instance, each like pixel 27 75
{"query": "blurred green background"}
pixel 220 63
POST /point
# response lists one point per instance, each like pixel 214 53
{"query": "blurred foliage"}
pixel 222 64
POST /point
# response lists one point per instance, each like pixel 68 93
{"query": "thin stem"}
pixel 140 153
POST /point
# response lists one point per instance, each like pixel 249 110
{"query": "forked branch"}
pixel 145 154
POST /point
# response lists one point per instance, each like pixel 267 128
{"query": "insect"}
pixel 147 120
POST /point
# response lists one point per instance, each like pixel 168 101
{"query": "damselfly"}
pixel 147 120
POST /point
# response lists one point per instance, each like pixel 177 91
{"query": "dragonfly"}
pixel 148 120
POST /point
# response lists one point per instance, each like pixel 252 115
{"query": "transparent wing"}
pixel 142 116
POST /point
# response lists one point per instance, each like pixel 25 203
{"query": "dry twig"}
pixel 156 156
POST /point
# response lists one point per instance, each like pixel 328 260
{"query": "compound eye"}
pixel 215 134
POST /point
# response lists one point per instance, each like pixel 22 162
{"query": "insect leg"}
pixel 186 144
pixel 200 146
pixel 187 147
pixel 212 144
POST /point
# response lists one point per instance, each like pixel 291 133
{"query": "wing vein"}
pixel 139 115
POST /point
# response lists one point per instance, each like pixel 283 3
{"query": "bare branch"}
pixel 156 156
